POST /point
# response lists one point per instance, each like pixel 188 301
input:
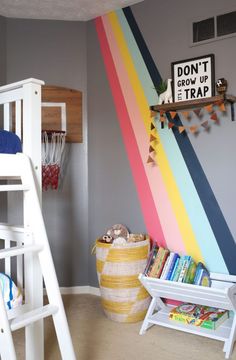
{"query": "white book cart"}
pixel 221 294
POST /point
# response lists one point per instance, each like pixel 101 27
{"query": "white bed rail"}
pixel 20 108
pixel 21 102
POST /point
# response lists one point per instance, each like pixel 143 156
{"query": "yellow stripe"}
pixel 117 307
pixel 136 317
pixel 142 294
pixel 127 254
pixel 119 282
pixel 99 265
pixel 180 212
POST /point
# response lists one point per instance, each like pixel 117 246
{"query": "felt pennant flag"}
pixel 209 108
pixel 193 129
pixel 170 125
pixel 173 114
pixel 152 126
pixel 214 117
pixel 222 107
pixel 150 159
pixel 151 149
pixel 152 138
pixel 153 113
pixel 205 124
pixel 162 118
pixel 181 129
pixel 185 114
pixel 197 111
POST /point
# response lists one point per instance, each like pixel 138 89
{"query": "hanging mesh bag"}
pixel 53 144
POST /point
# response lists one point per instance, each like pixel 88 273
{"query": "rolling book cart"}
pixel 221 294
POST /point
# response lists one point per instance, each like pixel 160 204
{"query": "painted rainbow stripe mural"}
pixel 179 208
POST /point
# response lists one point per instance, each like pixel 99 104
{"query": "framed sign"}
pixel 193 78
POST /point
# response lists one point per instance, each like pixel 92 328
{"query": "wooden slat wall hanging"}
pixel 62 103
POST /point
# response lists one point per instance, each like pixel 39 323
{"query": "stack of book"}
pixel 199 315
pixel 169 265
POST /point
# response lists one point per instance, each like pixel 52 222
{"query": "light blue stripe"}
pixel 198 218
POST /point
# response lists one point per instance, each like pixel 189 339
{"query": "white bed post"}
pixel 33 276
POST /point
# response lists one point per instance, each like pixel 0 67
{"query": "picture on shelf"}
pixel 193 78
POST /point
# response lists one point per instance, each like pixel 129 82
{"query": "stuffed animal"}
pixel 118 230
pixel 221 86
pixel 11 293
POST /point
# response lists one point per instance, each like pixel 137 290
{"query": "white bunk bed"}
pixel 26 246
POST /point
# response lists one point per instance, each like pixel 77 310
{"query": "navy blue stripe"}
pixel 216 219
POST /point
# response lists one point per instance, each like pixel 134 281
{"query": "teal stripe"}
pixel 143 74
pixel 198 218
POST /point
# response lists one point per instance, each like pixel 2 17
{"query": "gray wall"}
pixel 112 194
pixel 165 27
pixel 3 215
pixel 2 50
pixel 55 51
pixel 216 148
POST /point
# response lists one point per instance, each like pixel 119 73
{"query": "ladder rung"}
pixel 32 316
pixel 19 250
pixel 15 187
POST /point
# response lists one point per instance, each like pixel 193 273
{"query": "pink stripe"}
pixel 159 194
pixel 148 207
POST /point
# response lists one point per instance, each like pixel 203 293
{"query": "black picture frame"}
pixel 193 78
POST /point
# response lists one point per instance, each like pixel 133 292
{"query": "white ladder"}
pixel 36 245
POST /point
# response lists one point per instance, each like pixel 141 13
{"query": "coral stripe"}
pixel 200 223
pixel 186 230
pixel 147 204
pixel 159 194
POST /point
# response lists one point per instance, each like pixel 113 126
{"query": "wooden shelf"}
pixel 181 105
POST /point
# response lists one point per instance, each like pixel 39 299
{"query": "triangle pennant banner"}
pixel 173 114
pixel 181 129
pixel 205 124
pixel 152 138
pixel 197 111
pixel 209 108
pixel 150 159
pixel 162 118
pixel 193 129
pixel 170 125
pixel 185 114
pixel 152 126
pixel 162 112
pixel 214 117
pixel 222 107
pixel 151 149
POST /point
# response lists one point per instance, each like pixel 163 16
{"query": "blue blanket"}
pixel 9 143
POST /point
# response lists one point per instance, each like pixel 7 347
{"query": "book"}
pixel 199 315
pixel 177 271
pixel 172 265
pixel 167 265
pixel 175 268
pixel 151 258
pixel 164 271
pixel 155 264
pixel 184 269
pixel 162 260
pixel 189 277
pixel 202 275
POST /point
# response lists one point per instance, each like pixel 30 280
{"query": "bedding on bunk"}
pixel 9 143
pixel 12 295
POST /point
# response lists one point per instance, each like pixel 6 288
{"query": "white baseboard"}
pixel 75 290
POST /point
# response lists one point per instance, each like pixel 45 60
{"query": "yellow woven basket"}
pixel 124 299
